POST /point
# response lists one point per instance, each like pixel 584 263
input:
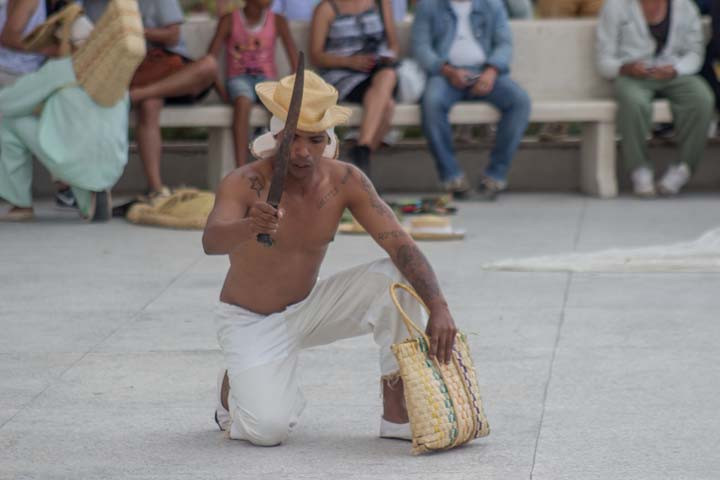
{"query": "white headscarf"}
pixel 266 145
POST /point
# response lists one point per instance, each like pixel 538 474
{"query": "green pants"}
pixel 18 144
pixel 691 102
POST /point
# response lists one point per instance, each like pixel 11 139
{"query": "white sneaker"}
pixel 642 179
pixel 392 137
pixel 222 416
pixel 396 431
pixel 674 179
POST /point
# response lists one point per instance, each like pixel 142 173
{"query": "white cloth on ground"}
pixel 701 255
pixel 261 351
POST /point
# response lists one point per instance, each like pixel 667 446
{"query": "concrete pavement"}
pixel 108 355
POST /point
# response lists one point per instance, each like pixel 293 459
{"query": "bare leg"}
pixel 149 140
pixel 191 80
pixel 374 104
pixel 394 409
pixel 241 126
pixel 385 125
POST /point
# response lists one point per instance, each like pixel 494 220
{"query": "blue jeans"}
pixel 507 96
pixel 243 86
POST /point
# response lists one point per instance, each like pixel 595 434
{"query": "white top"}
pixel 465 50
pixel 623 36
pixel 13 61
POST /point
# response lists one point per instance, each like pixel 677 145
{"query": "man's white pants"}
pixel 261 351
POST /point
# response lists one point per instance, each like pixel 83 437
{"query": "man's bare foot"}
pixel 18 214
pixel 394 409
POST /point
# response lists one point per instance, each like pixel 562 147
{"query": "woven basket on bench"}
pixel 443 400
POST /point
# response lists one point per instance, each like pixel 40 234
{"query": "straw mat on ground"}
pixel 186 208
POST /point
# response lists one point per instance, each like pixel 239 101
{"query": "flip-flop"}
pixel 15 216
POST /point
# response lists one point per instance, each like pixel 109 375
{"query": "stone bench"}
pixel 553 60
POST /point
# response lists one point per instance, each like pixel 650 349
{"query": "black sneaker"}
pixel 65 199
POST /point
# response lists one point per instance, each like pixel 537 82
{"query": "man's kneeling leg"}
pixel 265 402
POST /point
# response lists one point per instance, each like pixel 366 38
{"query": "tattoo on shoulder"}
pixel 346 177
pixel 375 201
pixel 391 234
pixel 328 196
pixel 257 184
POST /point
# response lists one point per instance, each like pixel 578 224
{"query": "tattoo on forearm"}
pixel 327 197
pixel 257 184
pixel 392 234
pixel 380 207
pixel 346 177
pixel 417 270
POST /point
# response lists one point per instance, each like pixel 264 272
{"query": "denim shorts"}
pixel 243 86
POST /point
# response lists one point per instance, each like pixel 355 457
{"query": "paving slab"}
pixel 108 356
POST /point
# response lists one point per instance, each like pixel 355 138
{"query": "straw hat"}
pixel 319 110
pixel 106 62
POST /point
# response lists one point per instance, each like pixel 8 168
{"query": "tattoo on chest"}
pixel 391 234
pixel 380 207
pixel 328 196
pixel 257 184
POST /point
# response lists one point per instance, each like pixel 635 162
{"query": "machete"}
pixel 282 158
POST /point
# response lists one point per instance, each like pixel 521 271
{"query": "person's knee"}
pixel 521 102
pixel 433 101
pixel 208 67
pixel 269 431
pixel 703 100
pixel 386 78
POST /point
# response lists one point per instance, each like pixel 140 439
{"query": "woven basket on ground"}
pixel 185 208
pixel 106 62
pixel 443 400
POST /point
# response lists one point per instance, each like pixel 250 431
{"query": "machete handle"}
pixel 265 239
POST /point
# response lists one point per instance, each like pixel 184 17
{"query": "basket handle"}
pixel 411 326
pixel 66 20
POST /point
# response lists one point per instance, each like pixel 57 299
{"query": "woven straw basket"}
pixel 443 401
pixel 105 64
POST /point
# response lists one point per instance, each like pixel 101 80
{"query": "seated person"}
pixel 90 167
pixel 355 45
pixel 712 53
pixel 249 36
pixel 651 49
pixel 17 19
pixel 167 74
pixel 466 51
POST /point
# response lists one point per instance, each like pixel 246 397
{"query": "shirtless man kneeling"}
pixel 272 304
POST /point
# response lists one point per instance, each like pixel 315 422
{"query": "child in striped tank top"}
pixel 248 35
